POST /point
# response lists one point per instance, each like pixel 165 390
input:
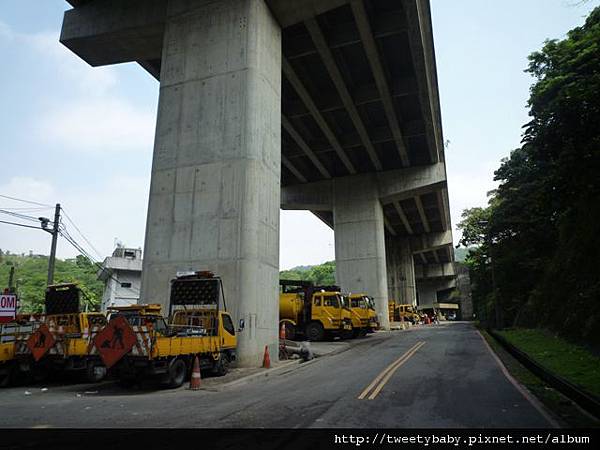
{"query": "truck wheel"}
pixel 176 374
pixel 290 331
pixel 221 366
pixel 348 334
pixel 356 332
pixel 315 331
pixel 6 375
pixel 95 372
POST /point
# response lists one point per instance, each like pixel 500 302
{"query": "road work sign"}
pixel 115 341
pixel 40 342
pixel 8 307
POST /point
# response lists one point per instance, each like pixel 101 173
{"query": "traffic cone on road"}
pixel 196 377
pixel 266 359
pixel 282 331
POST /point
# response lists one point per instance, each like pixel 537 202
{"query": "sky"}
pixel 82 136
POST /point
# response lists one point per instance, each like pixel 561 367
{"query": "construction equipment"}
pixel 364 317
pixel 315 312
pixel 140 343
pixel 373 319
pixel 402 313
pixel 62 336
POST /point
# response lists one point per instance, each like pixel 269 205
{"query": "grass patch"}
pixel 561 357
pixel 564 410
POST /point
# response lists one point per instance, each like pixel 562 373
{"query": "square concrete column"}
pixel 215 189
pixel 360 241
pixel 401 271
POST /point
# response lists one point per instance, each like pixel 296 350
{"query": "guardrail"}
pixel 584 399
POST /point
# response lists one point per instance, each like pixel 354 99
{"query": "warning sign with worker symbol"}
pixel 40 342
pixel 115 341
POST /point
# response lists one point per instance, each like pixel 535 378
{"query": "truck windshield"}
pixel 332 300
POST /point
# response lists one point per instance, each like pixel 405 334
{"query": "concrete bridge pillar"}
pixel 401 271
pixel 360 240
pixel 215 189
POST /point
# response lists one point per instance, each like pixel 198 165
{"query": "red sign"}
pixel 40 342
pixel 115 341
pixel 8 307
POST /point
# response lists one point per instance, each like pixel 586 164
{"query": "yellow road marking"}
pixel 387 373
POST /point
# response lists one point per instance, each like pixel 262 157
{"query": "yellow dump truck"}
pixel 62 339
pixel 364 317
pixel 315 312
pixel 138 342
pixel 402 312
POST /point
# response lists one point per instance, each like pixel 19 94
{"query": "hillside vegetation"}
pixel 31 275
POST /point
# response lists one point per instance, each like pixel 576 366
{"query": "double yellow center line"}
pixel 380 380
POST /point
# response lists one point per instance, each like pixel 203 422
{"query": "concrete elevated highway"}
pixel 324 105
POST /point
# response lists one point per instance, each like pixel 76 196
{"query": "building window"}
pixel 125 285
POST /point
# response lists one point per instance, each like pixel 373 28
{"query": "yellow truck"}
pixel 62 338
pixel 402 312
pixel 138 342
pixel 364 317
pixel 315 312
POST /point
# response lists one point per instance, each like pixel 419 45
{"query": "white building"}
pixel 122 276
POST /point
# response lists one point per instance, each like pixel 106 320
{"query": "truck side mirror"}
pixel 241 325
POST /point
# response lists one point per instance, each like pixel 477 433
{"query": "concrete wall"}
pixel 215 194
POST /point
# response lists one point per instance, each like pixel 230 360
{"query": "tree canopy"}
pixel 539 237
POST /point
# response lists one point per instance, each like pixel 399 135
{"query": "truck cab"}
pixel 313 311
pixel 361 317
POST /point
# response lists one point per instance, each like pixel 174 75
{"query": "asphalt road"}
pixel 443 376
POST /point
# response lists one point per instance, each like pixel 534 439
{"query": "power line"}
pixel 20 216
pixel 25 201
pixel 81 234
pixel 64 233
pixel 20 224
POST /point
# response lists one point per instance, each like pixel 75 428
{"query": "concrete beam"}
pixel 289 13
pixel 316 196
pixel 421 44
pixel 287 163
pixel 422 214
pixel 304 146
pixel 430 241
pixel 115 31
pixel 403 217
pixel 366 35
pixel 396 185
pixel 290 74
pixel 392 185
pixel 336 76
pixel 429 271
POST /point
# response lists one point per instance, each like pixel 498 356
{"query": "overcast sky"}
pixel 82 136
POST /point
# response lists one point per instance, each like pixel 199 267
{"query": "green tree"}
pixel 542 222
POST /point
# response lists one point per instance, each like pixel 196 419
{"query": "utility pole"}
pixel 11 277
pixel 54 233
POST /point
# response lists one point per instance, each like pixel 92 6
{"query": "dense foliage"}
pixel 537 243
pixel 323 274
pixel 31 275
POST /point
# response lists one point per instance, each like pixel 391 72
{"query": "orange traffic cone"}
pixel 266 359
pixel 196 377
pixel 282 331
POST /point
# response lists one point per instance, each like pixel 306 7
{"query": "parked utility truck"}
pixel 402 312
pixel 315 312
pixel 139 342
pixel 364 317
pixel 62 337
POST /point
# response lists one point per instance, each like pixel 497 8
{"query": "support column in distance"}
pixel 360 241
